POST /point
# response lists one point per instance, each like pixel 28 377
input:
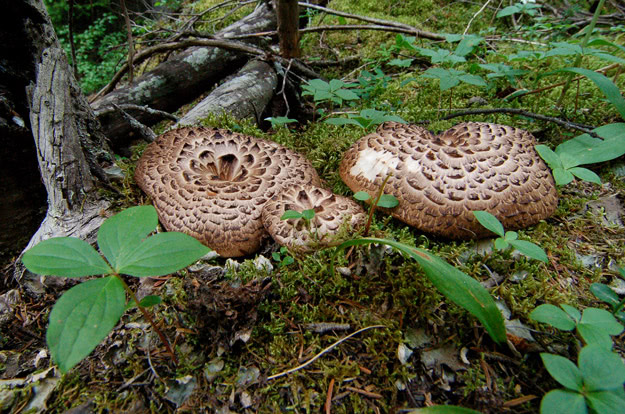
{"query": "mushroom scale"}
pixel 213 183
pixel 439 180
pixel 331 212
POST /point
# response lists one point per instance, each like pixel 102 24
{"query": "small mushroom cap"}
pixel 439 180
pixel 332 211
pixel 213 183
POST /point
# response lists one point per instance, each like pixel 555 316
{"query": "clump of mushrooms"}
pixel 439 180
pixel 212 184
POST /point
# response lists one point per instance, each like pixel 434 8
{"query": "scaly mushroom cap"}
pixel 331 211
pixel 439 180
pixel 212 184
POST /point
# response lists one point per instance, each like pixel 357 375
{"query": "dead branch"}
pixel 413 30
pixel 144 131
pixel 567 124
pixel 143 108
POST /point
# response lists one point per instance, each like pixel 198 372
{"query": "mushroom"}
pixel 332 211
pixel 213 183
pixel 439 180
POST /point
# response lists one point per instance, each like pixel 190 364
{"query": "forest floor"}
pixel 238 325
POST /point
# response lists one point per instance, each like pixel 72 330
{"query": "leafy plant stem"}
pixel 374 205
pixel 579 57
pixel 148 318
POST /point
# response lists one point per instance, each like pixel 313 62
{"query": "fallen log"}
pixel 178 80
pixel 245 95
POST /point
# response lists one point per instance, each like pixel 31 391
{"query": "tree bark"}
pixel 245 95
pixel 180 79
pixel 69 144
pixel 288 29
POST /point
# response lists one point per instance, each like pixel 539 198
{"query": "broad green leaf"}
pixel 549 156
pixel 308 214
pixel 562 176
pixel 473 79
pixel 291 214
pixel 346 94
pixel 336 84
pixel 124 231
pixel 448 82
pixel 594 335
pixel 467 44
pixel 511 236
pixel 319 84
pixel 362 196
pixel 609 89
pixel 457 286
pixel 146 302
pixel 342 121
pixel 530 249
pixel 603 42
pixel 585 149
pixel 501 244
pixel 605 294
pixel 402 63
pixel 65 256
pixel 607 402
pixel 553 316
pixel 280 120
pixel 563 402
pixel 572 312
pixel 387 201
pixel 443 409
pixel 585 174
pixel 489 221
pixel 82 318
pixel 162 254
pixel 603 319
pixel 601 369
pixel 508 11
pixel 563 370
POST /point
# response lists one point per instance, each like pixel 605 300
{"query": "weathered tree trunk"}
pixel 288 28
pixel 180 79
pixel 68 142
pixel 245 95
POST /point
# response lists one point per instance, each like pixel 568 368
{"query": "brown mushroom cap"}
pixel 439 180
pixel 212 184
pixel 331 211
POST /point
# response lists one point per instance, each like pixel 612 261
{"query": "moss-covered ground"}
pixel 234 326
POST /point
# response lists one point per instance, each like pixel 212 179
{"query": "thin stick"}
pixel 474 16
pixel 329 348
pixel 328 404
pixel 378 27
pixel 131 46
pixel 583 128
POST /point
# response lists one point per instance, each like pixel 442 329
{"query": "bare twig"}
pixel 131 46
pixel 316 357
pixel 328 405
pixel 413 30
pixel 142 108
pixel 466 30
pixel 567 124
pixel 144 131
pixel 342 27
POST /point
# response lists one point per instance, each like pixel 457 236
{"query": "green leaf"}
pixel 346 94
pixel 291 214
pixel 473 80
pixel 444 409
pixel 549 156
pixel 65 256
pixel 605 294
pixel 563 402
pixel 594 335
pixel 562 176
pixel 553 316
pixel 603 319
pixel 601 369
pixel 609 89
pixel 280 120
pixel 123 232
pixel 607 402
pixel 82 318
pixel 362 196
pixel 585 174
pixel 501 244
pixel 162 254
pixel 387 201
pixel 342 121
pixel 457 286
pixel 402 63
pixel 564 371
pixel 572 312
pixel 511 236
pixel 585 149
pixel 508 11
pixel 308 214
pixel 146 302
pixel 489 221
pixel 530 249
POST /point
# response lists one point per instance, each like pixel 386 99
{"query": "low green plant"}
pixel 523 7
pixel 279 121
pixel 282 257
pixel 595 326
pixel 584 149
pixel 381 200
pixel 607 295
pixel 595 383
pixel 336 91
pixel 507 239
pixel 367 118
pixel 85 314
pixel 443 409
